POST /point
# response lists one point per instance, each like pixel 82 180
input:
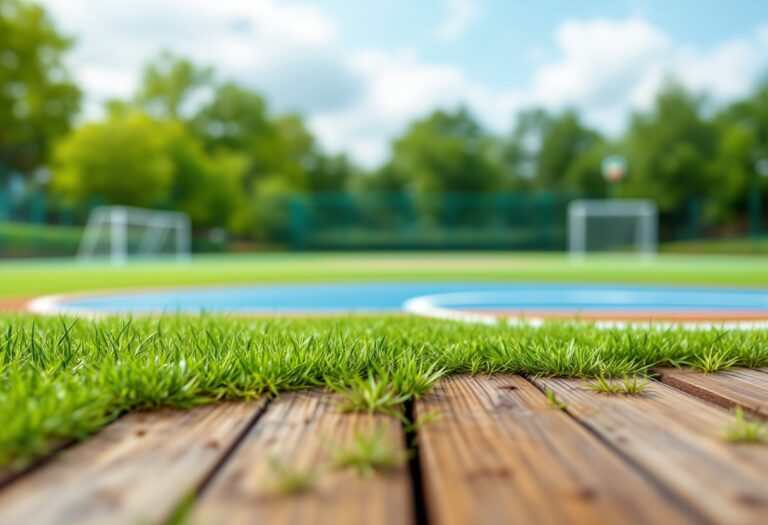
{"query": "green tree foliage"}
pixel 671 151
pixel 131 158
pixel 547 150
pixel 445 152
pixel 742 140
pixel 169 83
pixel 330 173
pixel 123 160
pixel 234 119
pixel 37 97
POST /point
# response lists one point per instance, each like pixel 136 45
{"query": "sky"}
pixel 361 71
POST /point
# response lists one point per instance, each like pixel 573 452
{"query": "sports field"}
pixel 65 378
pixel 25 278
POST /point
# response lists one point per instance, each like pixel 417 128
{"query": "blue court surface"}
pixel 391 297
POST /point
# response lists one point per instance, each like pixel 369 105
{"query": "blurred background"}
pixel 388 125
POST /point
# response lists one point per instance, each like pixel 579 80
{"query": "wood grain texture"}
pixel 499 454
pixel 134 471
pixel 746 388
pixel 302 430
pixel 676 439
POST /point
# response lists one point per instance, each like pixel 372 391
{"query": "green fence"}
pixel 522 221
pixel 37 224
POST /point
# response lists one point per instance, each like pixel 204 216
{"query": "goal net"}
pixel 612 225
pixel 118 233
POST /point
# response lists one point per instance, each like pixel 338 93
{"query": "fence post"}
pixel 297 210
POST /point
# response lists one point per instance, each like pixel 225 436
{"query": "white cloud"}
pixel 358 100
pixel 607 68
pixel 399 87
pixel 287 50
pixel 460 15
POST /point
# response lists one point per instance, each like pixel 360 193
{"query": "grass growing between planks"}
pixel 62 379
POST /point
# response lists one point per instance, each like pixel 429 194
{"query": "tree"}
pixel 545 148
pixel 38 100
pixel 445 152
pixel 671 152
pixel 131 158
pixel 584 173
pixel 123 160
pixel 330 173
pixel 169 83
pixel 237 120
pixel 742 140
pixel 234 119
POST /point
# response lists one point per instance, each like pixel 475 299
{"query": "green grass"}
pixel 291 480
pixel 31 278
pixel 553 401
pixel 62 379
pixel 629 386
pixel 369 453
pixel 742 430
pixel 726 246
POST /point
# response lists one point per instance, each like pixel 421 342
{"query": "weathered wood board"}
pixel 499 454
pixel 676 439
pixel 134 471
pixel 303 431
pixel 742 387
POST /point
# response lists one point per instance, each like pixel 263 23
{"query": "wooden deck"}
pixel 493 451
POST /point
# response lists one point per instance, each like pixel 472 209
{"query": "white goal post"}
pixel 121 232
pixel 606 225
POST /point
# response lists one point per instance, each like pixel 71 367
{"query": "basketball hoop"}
pixel 614 168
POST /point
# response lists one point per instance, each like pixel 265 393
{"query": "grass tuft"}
pixel 369 453
pixel 742 430
pixel 291 480
pixel 629 386
pixel 552 400
pixel 714 360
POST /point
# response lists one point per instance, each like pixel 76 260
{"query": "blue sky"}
pixel 361 70
pixel 494 29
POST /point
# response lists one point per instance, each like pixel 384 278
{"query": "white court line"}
pixel 435 306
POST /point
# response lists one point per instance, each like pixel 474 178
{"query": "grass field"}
pixel 63 379
pixel 24 278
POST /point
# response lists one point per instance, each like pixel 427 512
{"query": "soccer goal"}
pixel 118 233
pixel 612 225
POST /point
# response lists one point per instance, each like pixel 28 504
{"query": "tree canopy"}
pixel 38 99
pixel 214 148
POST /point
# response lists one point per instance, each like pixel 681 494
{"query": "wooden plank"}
pixel 676 439
pixel 134 471
pixel 10 473
pixel 743 387
pixel 497 453
pixel 303 430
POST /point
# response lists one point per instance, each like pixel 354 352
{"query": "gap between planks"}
pixel 675 438
pixel 304 430
pixel 738 387
pixel 498 453
pixel 136 470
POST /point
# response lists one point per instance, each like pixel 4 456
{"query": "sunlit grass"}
pixel 369 453
pixel 742 430
pixel 291 480
pixel 628 386
pixel 62 380
pixel 553 401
